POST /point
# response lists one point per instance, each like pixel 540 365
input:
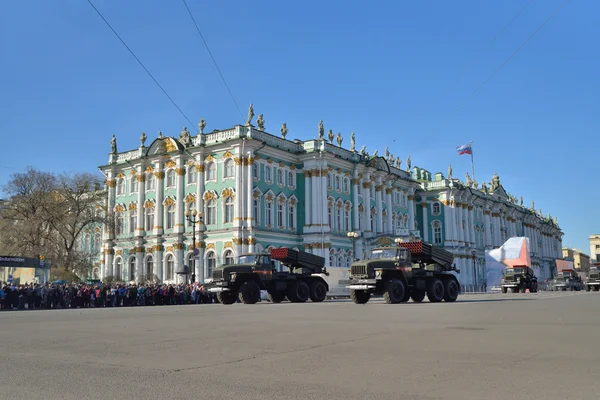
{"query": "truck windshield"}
pixel 383 253
pixel 248 259
pixel 514 271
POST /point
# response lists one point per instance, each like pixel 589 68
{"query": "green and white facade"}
pixel 256 191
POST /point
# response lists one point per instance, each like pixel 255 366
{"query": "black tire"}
pixel 226 297
pixel 249 293
pixel 435 291
pixel 318 291
pixel 276 297
pixel 514 289
pixel 450 291
pixel 395 291
pixel 504 289
pixel 360 296
pixel 298 292
pixel 587 288
pixel 595 288
pixel 417 296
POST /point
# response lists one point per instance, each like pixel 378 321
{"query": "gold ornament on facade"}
pixel 228 154
pixel 141 178
pixel 149 168
pixel 379 188
pixel 190 198
pixel 149 250
pixel 120 175
pixel 307 174
pixel 227 245
pixel 411 197
pixel 178 246
pixel 373 211
pixel 170 164
pixel 389 191
pixel 158 247
pixel 246 242
pixel 169 249
pixel 111 183
pixel 180 171
pixel 366 185
pixel 237 160
pixel 119 252
pixel 269 197
pixel 361 208
pixel 292 167
pixel 316 245
pixel 307 246
pixel 209 158
pixel 209 196
pixel 133 172
pixel 281 164
pixel 293 202
pixel 210 246
pixel 169 145
pixel 281 200
pixel 200 244
pixel 348 207
pixel 97 230
pixel 253 241
pixel 169 201
pixel 148 204
pixel 355 181
pixel 190 163
pixel 119 208
pixel 109 251
pixel 160 175
pixel 227 192
pixel 324 171
pixel 237 241
pixel 256 194
pixel 269 160
pixel 200 167
pixel 132 206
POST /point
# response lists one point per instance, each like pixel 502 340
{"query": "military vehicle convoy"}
pixel 592 282
pixel 567 279
pixel 408 270
pixel 519 279
pixel 256 271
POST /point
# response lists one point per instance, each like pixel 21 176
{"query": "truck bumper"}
pixel 217 287
pixel 359 284
pixel 593 283
pixel 510 285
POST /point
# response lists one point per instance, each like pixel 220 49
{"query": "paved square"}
pixel 517 346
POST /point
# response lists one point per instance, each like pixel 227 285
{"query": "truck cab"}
pixel 592 282
pixel 518 279
pixel 567 280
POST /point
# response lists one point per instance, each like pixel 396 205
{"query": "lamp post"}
pixel 352 236
pixel 475 278
pixel 191 217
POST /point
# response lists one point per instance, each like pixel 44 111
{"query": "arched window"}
pixel 292 214
pixel 149 218
pixel 87 243
pixel 211 172
pixel 134 184
pixel 346 185
pixel 406 222
pixel 211 212
pixel 437 232
pixel 340 260
pixel 118 270
pixel 228 258
pixel 290 179
pixel 228 169
pixel 191 206
pixel 132 267
pixel 279 176
pixel 228 210
pixel 150 181
pixel 149 267
pixel 255 174
pixel 435 208
pixel 191 263
pixel 120 222
pixel 330 220
pixel 339 219
pixel 97 241
pixel 347 219
pixel 169 267
pixel 171 178
pixel 132 220
pixel 170 216
pixel 331 260
pixel 338 186
pixel 329 181
pixel 269 212
pixel 191 175
pixel 268 176
pixel 211 263
pixel 120 186
pixel 281 213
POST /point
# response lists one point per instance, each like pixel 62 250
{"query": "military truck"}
pixel 592 282
pixel 519 278
pixel 567 279
pixel 254 272
pixel 408 270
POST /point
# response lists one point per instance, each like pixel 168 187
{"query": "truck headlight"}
pixel 377 273
pixel 232 276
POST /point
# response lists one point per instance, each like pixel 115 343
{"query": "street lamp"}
pixel 352 236
pixel 191 217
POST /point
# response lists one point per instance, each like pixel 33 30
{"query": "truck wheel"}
pixel 514 289
pixel 318 291
pixel 435 291
pixel 522 289
pixel 534 288
pixel 394 291
pixel 360 296
pixel 298 292
pixel 450 291
pixel 595 288
pixel 226 297
pixel 276 297
pixel 417 295
pixel 587 288
pixel 504 289
pixel 249 293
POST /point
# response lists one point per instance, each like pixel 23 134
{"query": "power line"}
pixel 145 69
pixel 213 59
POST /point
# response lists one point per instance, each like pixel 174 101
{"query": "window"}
pixel 97 241
pixel 228 258
pixel 132 268
pixel 191 263
pixel 151 181
pixel 279 177
pixel 435 208
pixel 330 215
pixel 280 214
pixel 134 184
pixel 211 263
pixel 255 171
pixel 346 185
pixel 373 227
pixel 228 167
pixel 331 260
pixel 211 212
pixel 329 181
pixel 87 243
pixel 169 267
pixel 269 213
pixel 211 171
pixel 338 186
pixel 149 218
pixel 191 175
pixel 132 220
pixel 347 220
pixel 149 267
pixel 120 186
pixel 120 222
pixel 291 216
pixel 290 179
pixel 437 232
pixel 268 177
pixel 170 178
pixel 170 217
pixel 228 210
pixel 118 268
pixel 339 221
pixel 255 208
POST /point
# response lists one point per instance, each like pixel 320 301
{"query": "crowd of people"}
pixel 80 295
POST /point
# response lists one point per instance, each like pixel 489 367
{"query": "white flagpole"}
pixel 472 163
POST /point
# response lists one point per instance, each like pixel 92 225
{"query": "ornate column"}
pixel 180 208
pixel 411 209
pixel 448 238
pixel 355 204
pixel 472 237
pixel 379 206
pixel 139 262
pixel 389 209
pixel 314 192
pixel 307 198
pixel 487 223
pixel 199 184
pixel 464 210
pixel 200 269
pixel 239 195
pixel 160 198
pixel 141 198
pixel 108 244
pixel 324 210
pixel 250 217
pixel 367 202
pixel 158 260
pixel 455 218
pixel 425 235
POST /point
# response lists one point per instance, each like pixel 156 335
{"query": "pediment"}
pixel 163 146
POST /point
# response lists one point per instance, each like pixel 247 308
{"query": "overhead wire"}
pixel 142 65
pixel 213 59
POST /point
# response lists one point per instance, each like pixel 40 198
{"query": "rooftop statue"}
pixel 185 137
pixel 330 136
pixel 467 179
pixel 449 171
pixel 160 135
pixel 113 144
pixel 201 125
pixel 521 201
pixel 408 163
pixel 352 142
pixel 250 115
pixel 387 153
pixel 363 151
pixel 260 121
pixel 398 162
pixel 284 130
pixel 339 139
pixel 321 130
pixel 143 139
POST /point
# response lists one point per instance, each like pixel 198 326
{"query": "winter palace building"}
pixel 253 190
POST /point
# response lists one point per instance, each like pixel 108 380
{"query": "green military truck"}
pixel 256 271
pixel 408 270
pixel 518 279
pixel 567 279
pixel 592 282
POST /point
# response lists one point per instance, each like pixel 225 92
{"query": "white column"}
pixel 411 210
pixel 356 216
pixel 389 209
pixel 307 196
pixel 315 190
pixel 158 261
pixel 466 229
pixel 472 226
pixel 425 224
pixel 488 233
pixel 141 179
pixel 379 206
pixel 159 213
pixel 324 210
pixel 367 202
pixel 179 211
pixel 250 217
pixel 239 196
pixel 447 224
pixel 461 231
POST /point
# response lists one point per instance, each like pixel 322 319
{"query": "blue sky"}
pixel 394 72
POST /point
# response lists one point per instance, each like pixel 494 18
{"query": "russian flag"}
pixel 464 149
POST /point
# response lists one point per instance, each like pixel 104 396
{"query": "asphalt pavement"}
pixel 498 346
